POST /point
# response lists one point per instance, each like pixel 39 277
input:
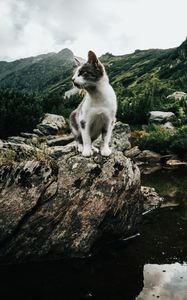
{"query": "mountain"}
pixel 37 73
pixel 128 73
pixel 142 81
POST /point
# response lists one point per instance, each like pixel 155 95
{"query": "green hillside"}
pixel 36 74
pixel 142 81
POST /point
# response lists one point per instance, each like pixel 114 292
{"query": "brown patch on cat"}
pixel 73 120
pixel 83 124
pixel 92 59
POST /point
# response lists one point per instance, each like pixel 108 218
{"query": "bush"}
pixel 164 141
pixel 19 111
pixel 179 141
pixel 157 139
pixel 55 103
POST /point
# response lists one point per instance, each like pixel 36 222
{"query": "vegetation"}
pixel 164 141
pixel 142 80
pixel 18 111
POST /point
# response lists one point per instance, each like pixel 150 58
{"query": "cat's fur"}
pixel 96 113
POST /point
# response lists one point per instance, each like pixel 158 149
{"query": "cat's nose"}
pixel 73 79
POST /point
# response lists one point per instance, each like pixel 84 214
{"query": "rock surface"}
pixel 120 137
pixel 161 116
pixel 178 95
pixel 61 209
pixel 151 199
pixel 148 157
pixel 60 141
pixel 17 152
pixel 169 125
pixel 51 124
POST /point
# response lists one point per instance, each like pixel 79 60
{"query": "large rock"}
pixel 17 152
pixel 151 199
pixel 58 151
pixel 60 141
pixel 60 209
pixel 51 124
pixel 148 156
pixel 120 137
pixel 161 116
pixel 178 95
pixel 16 139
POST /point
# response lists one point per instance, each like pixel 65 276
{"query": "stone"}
pixel 178 95
pixel 16 139
pixel 60 141
pixel 28 135
pixel 120 137
pixel 58 151
pixel 38 132
pixel 151 199
pixel 51 124
pixel 148 156
pixel 16 152
pixel 133 152
pixel 149 168
pixel 169 125
pixel 161 116
pixel 175 163
pixel 55 209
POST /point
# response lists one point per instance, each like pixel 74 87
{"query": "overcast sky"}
pixel 32 27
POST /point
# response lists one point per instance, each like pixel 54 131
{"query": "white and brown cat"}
pixel 96 113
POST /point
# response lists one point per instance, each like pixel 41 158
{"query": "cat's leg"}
pixel 87 143
pixel 106 136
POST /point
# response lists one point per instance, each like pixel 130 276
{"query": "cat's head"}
pixel 87 75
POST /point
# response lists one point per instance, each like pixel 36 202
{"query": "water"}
pixel 150 266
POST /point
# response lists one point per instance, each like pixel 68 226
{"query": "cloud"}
pixel 31 27
pixel 170 284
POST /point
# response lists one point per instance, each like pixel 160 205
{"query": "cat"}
pixel 96 113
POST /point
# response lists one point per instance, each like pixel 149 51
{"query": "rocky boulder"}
pixel 17 152
pixel 120 137
pixel 151 199
pixel 51 124
pixel 54 209
pixel 119 141
pixel 178 95
pixel 161 116
pixel 148 156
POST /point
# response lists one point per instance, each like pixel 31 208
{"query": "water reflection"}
pixel 165 282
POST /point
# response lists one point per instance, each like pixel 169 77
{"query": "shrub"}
pixel 157 139
pixel 19 111
pixel 179 141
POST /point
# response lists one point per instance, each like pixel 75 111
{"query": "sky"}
pixel 32 27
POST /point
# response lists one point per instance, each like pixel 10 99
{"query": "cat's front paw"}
pixel 105 151
pixel 87 152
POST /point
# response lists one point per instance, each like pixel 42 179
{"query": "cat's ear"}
pixel 92 59
pixel 78 63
